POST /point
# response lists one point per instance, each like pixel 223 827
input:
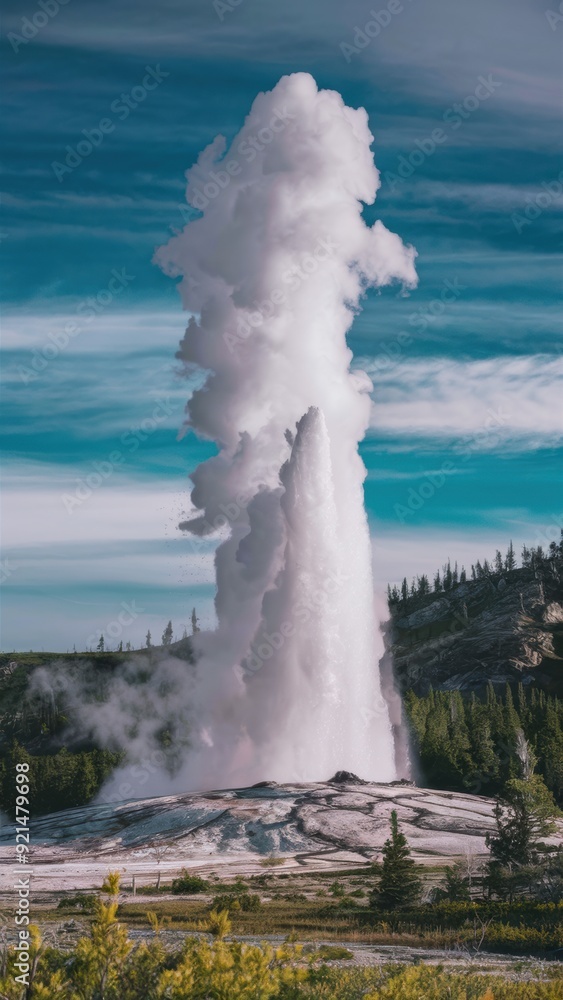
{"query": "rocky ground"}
pixel 502 628
pixel 316 827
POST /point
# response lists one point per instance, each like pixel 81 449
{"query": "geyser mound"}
pixel 272 274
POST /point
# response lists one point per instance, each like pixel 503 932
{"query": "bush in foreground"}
pixel 107 966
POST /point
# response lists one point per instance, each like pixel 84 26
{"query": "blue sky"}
pixel 464 451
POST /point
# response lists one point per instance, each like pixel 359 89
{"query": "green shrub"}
pixel 334 953
pixel 188 885
pixel 248 902
pixel 81 901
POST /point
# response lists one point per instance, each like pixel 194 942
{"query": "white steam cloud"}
pixel 272 274
pixel 287 687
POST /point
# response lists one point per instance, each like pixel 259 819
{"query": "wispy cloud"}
pixel 448 399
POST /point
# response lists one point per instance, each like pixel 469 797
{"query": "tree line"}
pixel 62 780
pixel 166 640
pixel 450 577
pixel 465 743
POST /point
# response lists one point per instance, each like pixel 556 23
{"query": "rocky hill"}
pixel 504 627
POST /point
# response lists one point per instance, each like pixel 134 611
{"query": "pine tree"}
pixel 148 640
pixel 523 814
pixel 510 561
pixel 167 635
pixel 100 647
pixel 526 557
pixel 437 583
pixel 447 576
pixel 499 562
pixel 399 884
pixel 195 622
pixel 463 575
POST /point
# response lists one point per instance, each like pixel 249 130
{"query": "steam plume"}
pixel 272 274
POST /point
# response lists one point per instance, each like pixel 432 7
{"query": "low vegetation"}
pixel 105 964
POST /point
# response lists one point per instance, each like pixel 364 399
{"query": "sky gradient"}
pixel 464 449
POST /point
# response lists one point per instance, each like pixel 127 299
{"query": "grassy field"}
pixel 314 907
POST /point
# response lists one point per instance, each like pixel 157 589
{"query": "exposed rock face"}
pixel 498 629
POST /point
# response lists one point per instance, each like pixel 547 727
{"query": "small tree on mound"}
pixel 399 884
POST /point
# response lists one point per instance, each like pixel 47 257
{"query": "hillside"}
pixel 502 628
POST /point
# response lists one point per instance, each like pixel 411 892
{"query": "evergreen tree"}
pixel 404 589
pixel 550 748
pixel 526 557
pixel 510 561
pixel 100 647
pixel 523 814
pixel 195 622
pixel 399 884
pixel 447 577
pixel 499 562
pixel 437 583
pixel 148 639
pixel 463 575
pixel 167 635
pixel 455 888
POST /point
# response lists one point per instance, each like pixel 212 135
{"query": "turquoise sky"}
pixel 464 452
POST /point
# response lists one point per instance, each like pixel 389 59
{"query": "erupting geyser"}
pixel 273 270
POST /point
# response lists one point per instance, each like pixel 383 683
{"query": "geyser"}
pixel 272 274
